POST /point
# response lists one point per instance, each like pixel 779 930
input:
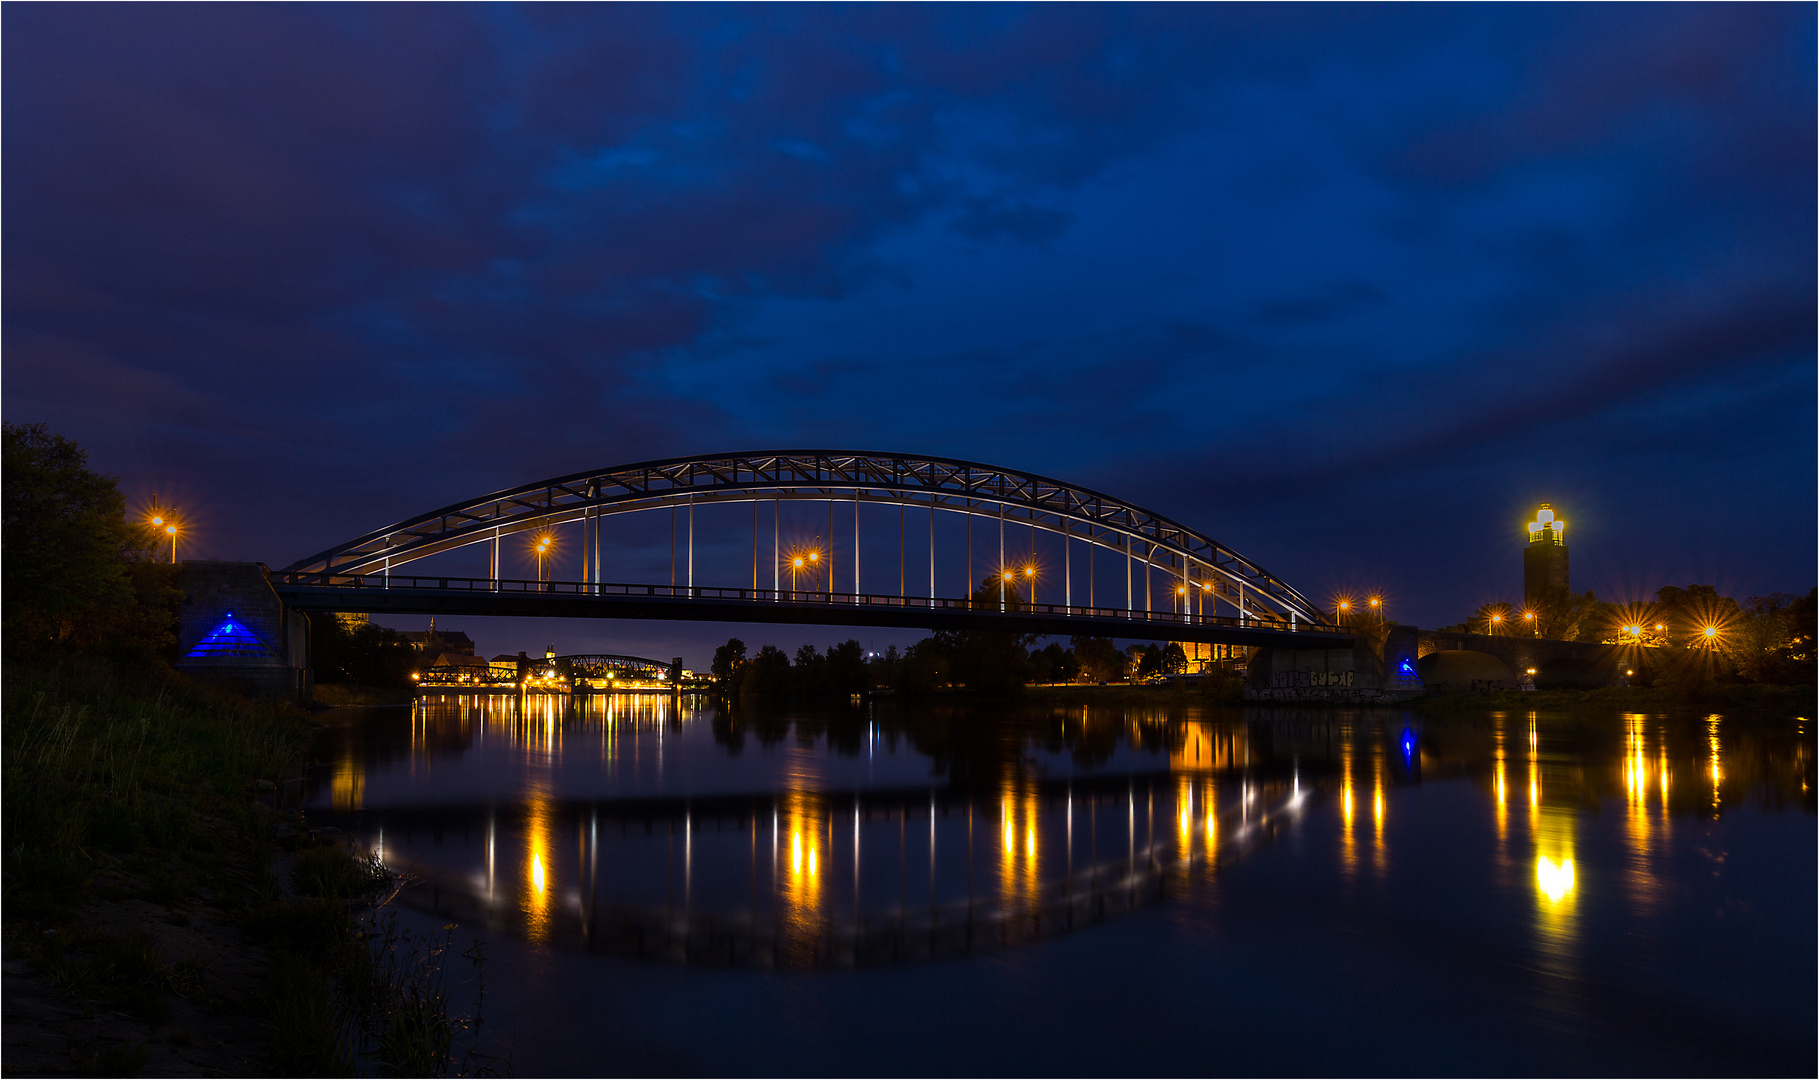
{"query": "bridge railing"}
pixel 819 597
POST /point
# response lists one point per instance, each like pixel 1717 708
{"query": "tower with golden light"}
pixel 1544 568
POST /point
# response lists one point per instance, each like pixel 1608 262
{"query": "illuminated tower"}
pixel 1544 560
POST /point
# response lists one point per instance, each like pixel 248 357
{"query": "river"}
pixel 1072 889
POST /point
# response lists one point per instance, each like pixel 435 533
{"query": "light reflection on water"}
pixel 646 825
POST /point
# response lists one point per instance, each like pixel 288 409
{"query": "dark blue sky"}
pixel 1349 288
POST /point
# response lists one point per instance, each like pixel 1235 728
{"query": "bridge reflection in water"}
pixel 818 869
pixel 810 879
pixel 806 877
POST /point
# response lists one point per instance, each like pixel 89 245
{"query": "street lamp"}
pixel 542 552
pixel 1030 572
pixel 1004 589
pixel 1530 616
pixel 1377 604
pixel 162 520
pixel 794 566
pixel 1496 621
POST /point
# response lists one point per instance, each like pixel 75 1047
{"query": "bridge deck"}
pixel 441 595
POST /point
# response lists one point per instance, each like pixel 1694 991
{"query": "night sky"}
pixel 1351 289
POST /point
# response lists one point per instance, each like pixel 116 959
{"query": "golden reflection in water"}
pixel 1500 780
pixel 803 822
pixel 538 873
pixel 1636 784
pixel 1534 776
pixel 1017 880
pixel 1379 854
pixel 1348 844
pixel 1556 888
pixel 348 786
pixel 1211 803
pixel 1711 728
pixel 1184 814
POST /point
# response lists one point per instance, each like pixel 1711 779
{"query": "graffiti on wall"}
pixel 1286 680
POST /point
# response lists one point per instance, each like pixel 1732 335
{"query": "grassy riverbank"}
pixel 162 913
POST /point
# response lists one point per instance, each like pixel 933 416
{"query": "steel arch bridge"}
pixel 1238 601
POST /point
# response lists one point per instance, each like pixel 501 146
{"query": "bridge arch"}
pixel 1081 516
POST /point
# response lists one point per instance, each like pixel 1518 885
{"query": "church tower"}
pixel 1544 560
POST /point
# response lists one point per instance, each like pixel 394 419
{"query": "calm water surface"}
pixel 915 889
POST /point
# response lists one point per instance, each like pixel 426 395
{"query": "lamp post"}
pixel 794 566
pixel 1534 624
pixel 1004 585
pixel 1496 621
pixel 1377 606
pixel 163 521
pixel 1030 572
pixel 542 550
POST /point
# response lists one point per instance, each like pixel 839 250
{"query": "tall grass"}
pixel 137 769
pixel 101 758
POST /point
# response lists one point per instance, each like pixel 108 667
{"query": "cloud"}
pixel 1206 252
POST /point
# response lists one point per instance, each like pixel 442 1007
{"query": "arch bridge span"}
pixel 1210 589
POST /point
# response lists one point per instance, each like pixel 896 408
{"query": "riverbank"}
pixel 138 826
pixel 350 695
pixel 1736 698
pixel 164 912
pixel 1754 699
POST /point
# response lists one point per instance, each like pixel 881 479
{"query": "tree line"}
pixel 80 577
pixel 1767 639
pixel 983 661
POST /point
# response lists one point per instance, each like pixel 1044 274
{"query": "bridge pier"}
pixel 235 630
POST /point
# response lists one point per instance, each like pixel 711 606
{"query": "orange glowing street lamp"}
pixel 1030 573
pixel 164 521
pixel 543 549
pixel 1536 626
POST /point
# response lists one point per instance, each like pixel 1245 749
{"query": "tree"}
pixel 370 655
pixel 1688 613
pixel 1774 639
pixel 1099 659
pixel 845 669
pixel 728 660
pixel 986 661
pixel 1053 664
pixel 77 575
pixel 1560 613
pixel 1495 618
pixel 1173 660
pixel 767 675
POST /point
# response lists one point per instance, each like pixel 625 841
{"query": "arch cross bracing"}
pixel 944 484
pixel 601 665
